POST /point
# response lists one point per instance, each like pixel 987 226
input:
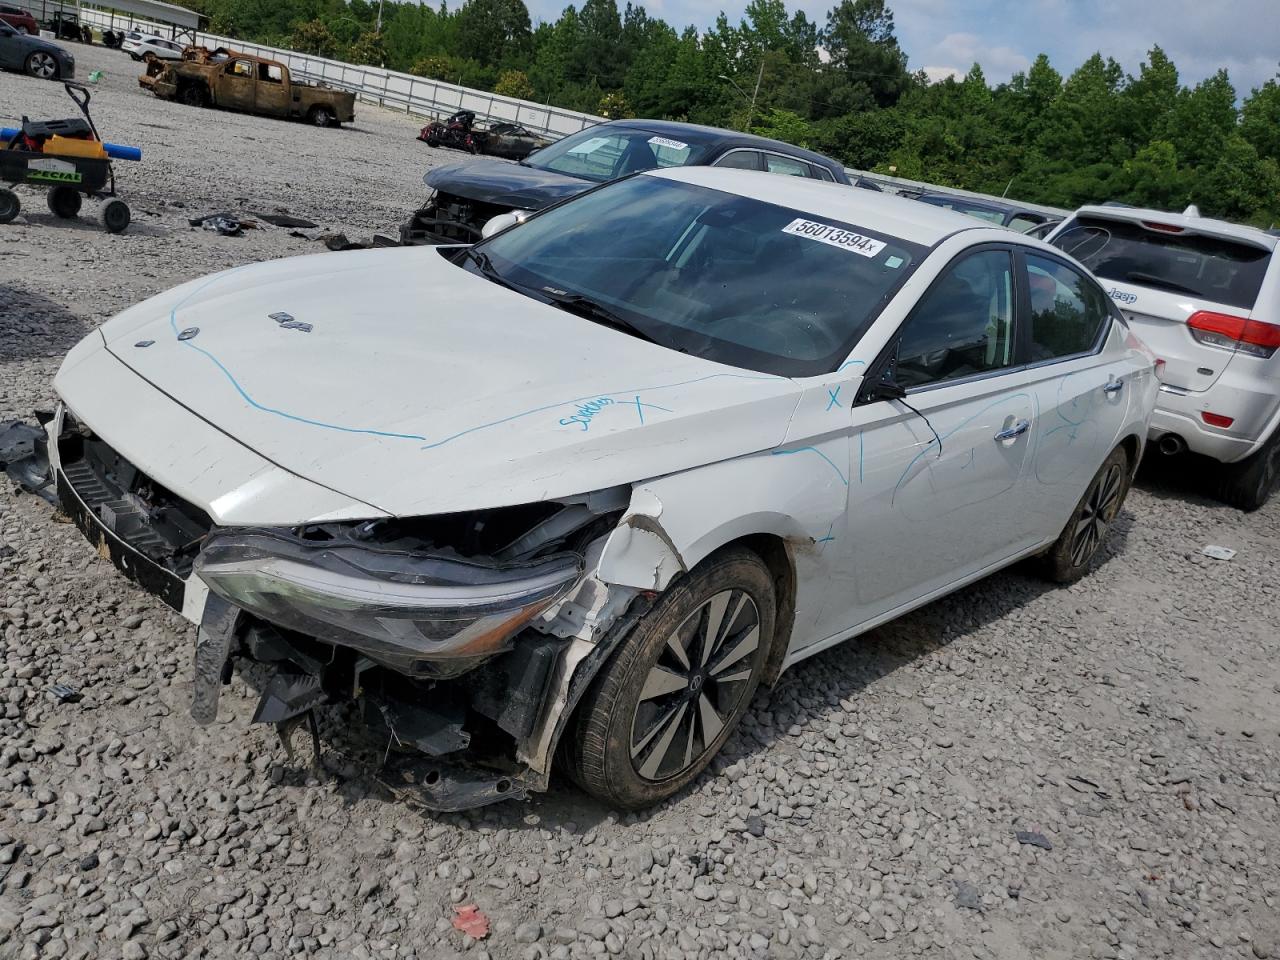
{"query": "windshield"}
pixel 713 274
pixel 1207 267
pixel 607 153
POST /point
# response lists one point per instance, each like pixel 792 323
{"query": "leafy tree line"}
pixel 841 87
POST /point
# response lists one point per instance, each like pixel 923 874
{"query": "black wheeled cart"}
pixel 68 159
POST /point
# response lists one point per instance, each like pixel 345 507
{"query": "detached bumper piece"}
pixel 24 456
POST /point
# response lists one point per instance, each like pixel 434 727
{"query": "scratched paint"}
pixel 831 463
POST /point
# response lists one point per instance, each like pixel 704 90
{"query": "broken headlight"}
pixel 398 606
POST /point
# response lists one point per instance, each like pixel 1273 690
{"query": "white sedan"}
pixel 590 481
pixel 139 47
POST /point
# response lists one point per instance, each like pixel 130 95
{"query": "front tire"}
pixel 1073 552
pixel 1248 484
pixel 193 95
pixel 10 205
pixel 42 66
pixel 672 693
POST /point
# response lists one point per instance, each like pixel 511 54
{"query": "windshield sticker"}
pixel 893 263
pixel 835 236
pixel 589 146
pixel 664 142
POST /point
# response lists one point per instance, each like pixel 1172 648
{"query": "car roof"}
pixel 1208 226
pixel 906 219
pixel 697 133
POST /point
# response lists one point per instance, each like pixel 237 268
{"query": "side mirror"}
pixel 502 222
pixel 889 390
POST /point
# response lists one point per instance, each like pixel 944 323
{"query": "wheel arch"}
pixel 1132 444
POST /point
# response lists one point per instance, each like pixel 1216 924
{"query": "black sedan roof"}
pixel 696 133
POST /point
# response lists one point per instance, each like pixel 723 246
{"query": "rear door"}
pixel 1161 275
pixel 1082 384
pixel 273 93
pixel 236 90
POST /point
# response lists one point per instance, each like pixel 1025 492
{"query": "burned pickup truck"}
pixel 239 81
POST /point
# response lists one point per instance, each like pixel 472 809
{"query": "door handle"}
pixel 1113 386
pixel 1012 433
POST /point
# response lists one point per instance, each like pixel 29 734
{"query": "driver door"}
pixel 238 85
pixel 939 478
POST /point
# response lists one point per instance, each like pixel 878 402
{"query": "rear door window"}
pixel 1210 268
pixel 1067 310
pixel 787 166
pixel 739 160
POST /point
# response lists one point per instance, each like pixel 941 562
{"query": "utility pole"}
pixel 378 29
pixel 751 100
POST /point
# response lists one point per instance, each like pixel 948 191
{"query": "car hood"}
pixel 505 184
pixel 422 388
pixel 31 42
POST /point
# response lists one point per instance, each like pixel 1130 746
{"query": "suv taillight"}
pixel 1253 337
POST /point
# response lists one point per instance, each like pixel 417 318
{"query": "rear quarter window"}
pixel 1210 268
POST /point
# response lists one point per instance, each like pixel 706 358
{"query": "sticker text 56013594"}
pixel 836 236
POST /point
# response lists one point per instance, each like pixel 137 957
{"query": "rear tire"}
pixel 671 694
pixel 64 202
pixel 116 216
pixel 1248 484
pixel 10 205
pixel 1073 552
pixel 321 117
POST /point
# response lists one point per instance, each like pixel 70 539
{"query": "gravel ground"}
pixel 1017 771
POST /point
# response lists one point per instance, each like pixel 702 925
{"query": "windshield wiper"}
pixel 487 269
pixel 593 310
pixel 1153 280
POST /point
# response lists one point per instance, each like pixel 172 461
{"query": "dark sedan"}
pixel 1008 215
pixel 40 58
pixel 465 196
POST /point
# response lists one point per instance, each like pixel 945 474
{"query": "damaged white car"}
pixel 588 483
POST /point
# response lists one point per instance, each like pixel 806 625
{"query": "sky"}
pixel 1004 36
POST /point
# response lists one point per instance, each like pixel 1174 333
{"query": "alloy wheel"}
pixel 43 66
pixel 1099 510
pixel 695 686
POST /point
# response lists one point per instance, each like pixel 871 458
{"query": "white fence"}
pixel 414 95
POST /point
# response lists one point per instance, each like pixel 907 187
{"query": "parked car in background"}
pixel 31 54
pixel 464 197
pixel 511 141
pixel 157 47
pixel 1205 295
pixel 993 211
pixel 679 433
pixel 21 20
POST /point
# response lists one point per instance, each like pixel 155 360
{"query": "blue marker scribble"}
pixel 827 539
pixel 427 444
pixel 852 363
pixel 586 411
pixel 944 436
pixel 834 395
pixel 652 406
pixel 819 453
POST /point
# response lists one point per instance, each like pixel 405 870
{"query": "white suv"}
pixel 1205 296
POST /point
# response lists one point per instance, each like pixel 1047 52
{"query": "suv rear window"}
pixel 1207 267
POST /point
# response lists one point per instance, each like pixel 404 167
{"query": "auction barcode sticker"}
pixel 836 236
pixel 665 142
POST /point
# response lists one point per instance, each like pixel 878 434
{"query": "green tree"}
pixel 514 83
pixel 314 36
pixel 494 32
pixel 859 36
pixel 1260 119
